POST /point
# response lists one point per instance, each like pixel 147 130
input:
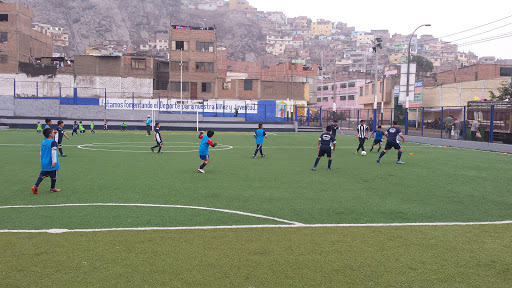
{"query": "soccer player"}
pixel 148 125
pixel 92 127
pixel 81 127
pixel 158 139
pixel 324 147
pixel 75 129
pixel 39 128
pixel 204 148
pixel 105 126
pixel 48 123
pixel 379 135
pixel 260 135
pixel 334 129
pixel 362 134
pixel 59 134
pixel 49 161
pixel 392 142
pixel 123 126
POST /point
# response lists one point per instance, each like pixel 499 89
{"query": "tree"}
pixel 423 65
pixel 505 93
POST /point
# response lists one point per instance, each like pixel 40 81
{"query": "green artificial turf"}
pixel 435 185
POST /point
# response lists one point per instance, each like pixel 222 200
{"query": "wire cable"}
pixel 510 16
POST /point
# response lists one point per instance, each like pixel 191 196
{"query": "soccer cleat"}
pixel 371 150
pixel 254 156
pixel 35 190
pixel 400 162
pixel 200 170
pixel 63 155
pixel 314 168
pixel 329 169
pixel 357 152
pixel 378 160
pixel 160 152
pixel 262 156
pixel 54 190
pixel 152 149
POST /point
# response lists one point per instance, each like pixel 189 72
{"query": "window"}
pixel 333 87
pixel 506 71
pixel 352 84
pixel 343 98
pixel 176 86
pixel 361 91
pixel 367 90
pixel 343 85
pixel 204 46
pixel 138 63
pixel 4 17
pixel 326 88
pixel 318 88
pixel 179 45
pixel 204 66
pixel 175 66
pixel 247 84
pixel 325 99
pixel 350 97
pixel 3 37
pixel 3 58
pixel 206 87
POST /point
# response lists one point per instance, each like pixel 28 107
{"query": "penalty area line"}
pixel 57 231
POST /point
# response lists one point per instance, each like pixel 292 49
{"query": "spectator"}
pixel 148 125
pixel 456 128
pixel 448 121
pixel 474 128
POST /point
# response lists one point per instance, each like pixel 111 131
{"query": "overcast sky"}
pixel 398 16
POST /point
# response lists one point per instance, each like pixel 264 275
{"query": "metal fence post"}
pixel 105 98
pixel 133 100
pixel 159 103
pixel 296 113
pixel 37 89
pixel 442 121
pixel 14 88
pixel 358 117
pixel 491 125
pixel 349 118
pixel 308 116
pixel 60 92
pixel 406 121
pixel 321 117
pixel 391 117
pixel 464 126
pixel 422 120
pixel 75 95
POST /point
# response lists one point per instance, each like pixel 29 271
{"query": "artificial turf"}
pixel 435 185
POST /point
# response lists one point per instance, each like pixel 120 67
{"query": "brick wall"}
pixel 470 73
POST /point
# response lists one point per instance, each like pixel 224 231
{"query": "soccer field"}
pixel 136 218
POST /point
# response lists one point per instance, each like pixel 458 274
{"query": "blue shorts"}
pixel 204 157
pixel 325 150
pixel 390 145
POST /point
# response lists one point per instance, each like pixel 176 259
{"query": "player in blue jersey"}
pixel 324 147
pixel 392 142
pixel 59 134
pixel 158 139
pixel 48 125
pixel 49 161
pixel 204 148
pixel 260 135
pixel 379 135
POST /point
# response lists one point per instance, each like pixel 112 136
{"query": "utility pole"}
pixel 181 81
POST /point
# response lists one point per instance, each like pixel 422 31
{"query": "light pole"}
pixel 409 65
pixel 376 47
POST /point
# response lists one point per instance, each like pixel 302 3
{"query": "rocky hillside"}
pixel 91 21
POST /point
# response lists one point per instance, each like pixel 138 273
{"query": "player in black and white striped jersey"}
pixel 158 139
pixel 362 135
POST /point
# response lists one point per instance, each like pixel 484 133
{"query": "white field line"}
pixel 260 226
pixel 157 205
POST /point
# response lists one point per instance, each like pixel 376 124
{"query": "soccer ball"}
pixel 363 153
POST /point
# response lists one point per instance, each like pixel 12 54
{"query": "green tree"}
pixel 423 65
pixel 505 93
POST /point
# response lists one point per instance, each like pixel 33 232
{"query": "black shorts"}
pixel 159 143
pixel 390 145
pixel 51 174
pixel 377 141
pixel 259 146
pixel 325 150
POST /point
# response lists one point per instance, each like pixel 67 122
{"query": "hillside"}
pixel 91 21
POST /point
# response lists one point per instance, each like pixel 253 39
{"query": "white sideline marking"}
pixel 91 146
pixel 158 205
pixel 258 226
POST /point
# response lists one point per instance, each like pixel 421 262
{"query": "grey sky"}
pixel 447 17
